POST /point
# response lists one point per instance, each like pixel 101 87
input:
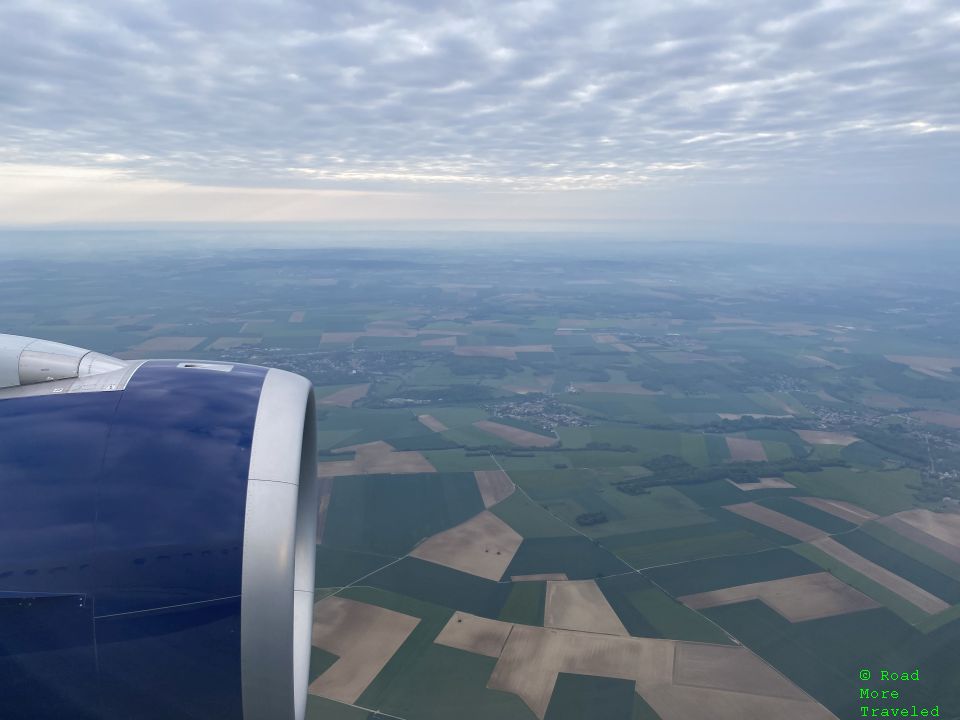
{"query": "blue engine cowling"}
pixel 157 540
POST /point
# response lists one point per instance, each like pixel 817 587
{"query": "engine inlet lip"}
pixel 279 550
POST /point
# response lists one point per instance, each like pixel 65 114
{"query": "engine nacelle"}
pixel 157 537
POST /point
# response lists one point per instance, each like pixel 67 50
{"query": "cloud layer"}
pixel 531 96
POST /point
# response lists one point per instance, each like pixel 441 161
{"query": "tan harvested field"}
pixel 623 347
pixel 805 597
pixel 767 483
pixel 325 488
pixel 951 420
pixel 606 338
pixel 944 526
pixel 483 546
pixel 494 486
pixel 475 634
pixel 904 588
pixel 844 510
pixel 431 422
pixel 937 367
pixel 539 576
pixel 680 680
pixel 449 341
pixel 339 337
pixel 579 605
pixel 731 668
pixel 918 536
pixel 297 316
pixel 742 449
pixel 517 436
pixel 228 343
pixel 616 388
pixel 376 458
pixel 346 397
pixel 822 437
pixel 777 521
pixel 364 636
pixel 169 342
pixel 938 531
pixel 756 416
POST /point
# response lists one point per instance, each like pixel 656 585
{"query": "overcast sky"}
pixel 127 110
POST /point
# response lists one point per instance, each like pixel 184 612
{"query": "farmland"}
pixel 647 458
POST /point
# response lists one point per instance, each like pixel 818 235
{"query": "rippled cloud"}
pixel 531 96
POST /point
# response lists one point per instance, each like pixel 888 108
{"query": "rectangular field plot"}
pixel 585 697
pixel 527 600
pixel 744 449
pixel 514 435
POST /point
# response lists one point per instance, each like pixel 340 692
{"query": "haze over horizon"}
pixel 260 112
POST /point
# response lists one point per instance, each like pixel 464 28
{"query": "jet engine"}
pixel 157 537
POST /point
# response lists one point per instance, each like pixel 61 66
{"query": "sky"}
pixel 125 111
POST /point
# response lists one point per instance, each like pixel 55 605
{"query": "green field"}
pixel 529 519
pixel 716 573
pixel 881 492
pixel 671 545
pixel 647 611
pixel 336 567
pixel 584 697
pixel 389 514
pixel 442 682
pixel 319 708
pixel 525 604
pixel 824 656
pixel 439 585
pixel 576 556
